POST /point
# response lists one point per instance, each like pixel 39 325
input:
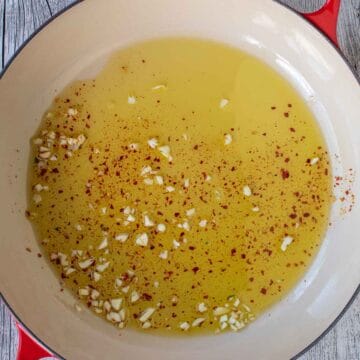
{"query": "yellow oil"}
pixel 231 124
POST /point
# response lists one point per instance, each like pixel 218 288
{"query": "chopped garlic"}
pixel 165 151
pixel 223 325
pixel 130 273
pixel 148 181
pixel 78 227
pixel 203 223
pixel 163 255
pixel 131 100
pixel 72 112
pixel 228 139
pixel 63 259
pixel 102 267
pixel 255 209
pixel 158 87
pixel 184 326
pixel 134 296
pixel 161 227
pixel 148 222
pixel 201 307
pixel 176 244
pixel 128 210
pixel 130 218
pixel 190 212
pixel 223 318
pixel 118 282
pixel 113 316
pixel 38 187
pixel 186 183
pixel 107 306
pixel 185 225
pixel 247 190
pixel 197 322
pixel 122 314
pixel 159 180
pixel 122 237
pixel 146 170
pixel 116 303
pixel 37 198
pixel 314 161
pixel 287 240
pixel 96 276
pixel 134 146
pixel 94 294
pixel 220 311
pixel 153 143
pixel 125 289
pixel 146 314
pixel 146 325
pixel 142 239
pixel 223 103
pixel 104 244
pixel 45 155
pixel 170 189
pixel 84 292
pixel 69 271
pixel 86 263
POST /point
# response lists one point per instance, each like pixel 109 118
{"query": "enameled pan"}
pixel 75 45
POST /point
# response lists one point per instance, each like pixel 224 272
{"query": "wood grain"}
pixel 20 18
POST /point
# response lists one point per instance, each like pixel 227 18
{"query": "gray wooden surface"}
pixel 20 18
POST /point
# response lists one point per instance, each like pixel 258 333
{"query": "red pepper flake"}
pixel 292 216
pixel 292 129
pixel 146 297
pixel 195 269
pixel 273 107
pixel 286 114
pixel 289 105
pixel 233 252
pixel 285 174
pixel 263 291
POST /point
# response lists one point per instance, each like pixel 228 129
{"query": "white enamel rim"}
pixel 87 34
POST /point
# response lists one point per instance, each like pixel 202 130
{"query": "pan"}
pixel 75 45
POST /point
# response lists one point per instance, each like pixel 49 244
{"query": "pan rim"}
pixel 338 51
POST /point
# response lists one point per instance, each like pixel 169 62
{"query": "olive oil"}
pixel 186 188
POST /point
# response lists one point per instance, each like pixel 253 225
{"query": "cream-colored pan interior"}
pixel 74 46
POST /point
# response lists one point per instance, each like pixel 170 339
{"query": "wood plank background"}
pixel 20 18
